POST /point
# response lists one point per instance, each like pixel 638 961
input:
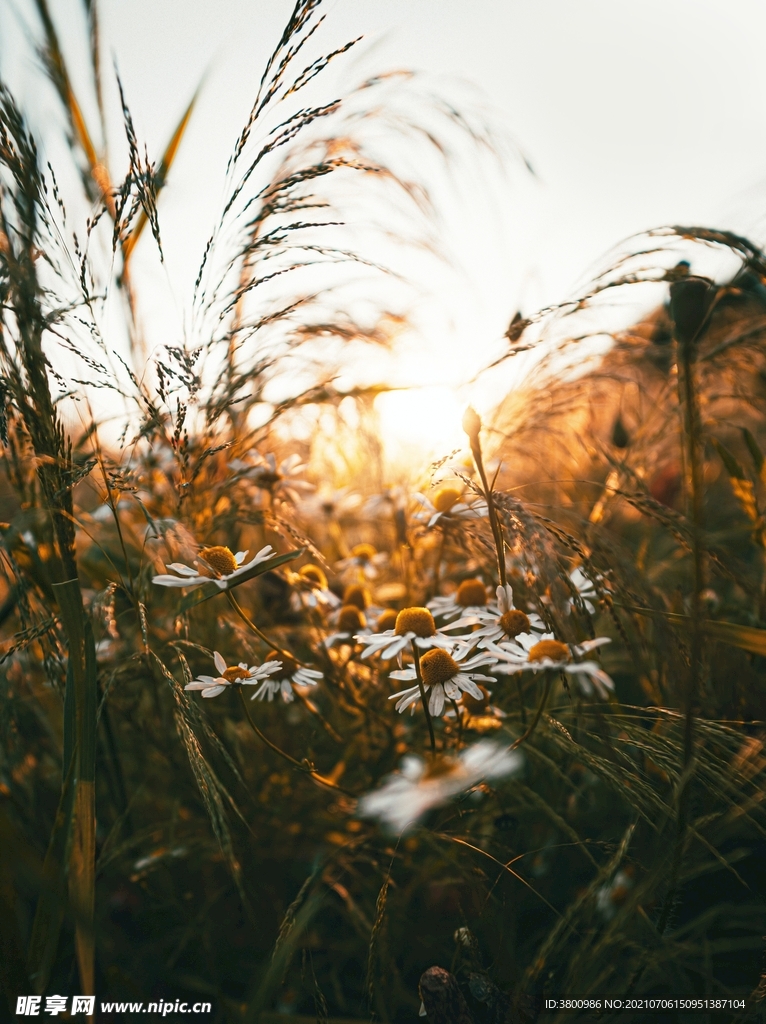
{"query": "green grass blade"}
pixel 51 903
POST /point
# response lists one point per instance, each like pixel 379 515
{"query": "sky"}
pixel 632 115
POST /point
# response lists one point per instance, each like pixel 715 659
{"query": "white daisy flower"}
pixel 585 588
pixel 330 504
pixel 610 896
pixel 392 501
pixel 237 675
pixel 538 653
pixel 445 677
pixel 216 564
pixel 364 562
pixel 351 624
pixel 446 503
pixel 469 599
pixel 406 795
pixel 310 589
pixel 497 621
pixel 283 481
pixel 288 674
pixel 412 624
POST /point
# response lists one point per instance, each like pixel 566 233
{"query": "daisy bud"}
pixel 472 425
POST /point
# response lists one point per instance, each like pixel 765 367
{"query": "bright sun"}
pixel 420 424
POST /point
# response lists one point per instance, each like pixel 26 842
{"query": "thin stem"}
pixel 303 767
pixel 416 656
pixel 688 397
pixel 454 704
pixel 494 522
pixel 538 714
pixel 248 622
pixel 521 699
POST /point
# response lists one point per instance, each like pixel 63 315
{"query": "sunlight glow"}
pixel 420 424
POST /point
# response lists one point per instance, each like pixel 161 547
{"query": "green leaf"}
pixel 208 590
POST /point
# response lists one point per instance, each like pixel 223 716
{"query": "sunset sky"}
pixel 632 115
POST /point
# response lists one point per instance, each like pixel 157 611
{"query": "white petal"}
pixel 213 691
pixel 178 581
pixel 398 645
pixel 183 569
pixel 436 700
pixel 220 664
pixel 452 689
pixel 240 557
pixel 467 684
pixel 197 684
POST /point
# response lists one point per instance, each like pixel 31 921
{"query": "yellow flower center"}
pixel 415 620
pixel 234 673
pixel 357 596
pixel 476 707
pixel 445 497
pixel 220 559
pixel 440 766
pixel 363 553
pixel 552 649
pixel 514 622
pixel 289 665
pixel 471 592
pixel 266 479
pixel 350 619
pixel 313 574
pixel 436 666
pixel 387 620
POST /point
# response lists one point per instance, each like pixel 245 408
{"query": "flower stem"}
pixel 538 714
pixel 522 709
pixel 459 723
pixel 494 522
pixel 416 656
pixel 303 767
pixel 248 622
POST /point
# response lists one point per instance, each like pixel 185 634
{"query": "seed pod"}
pixel 442 998
pixel 689 303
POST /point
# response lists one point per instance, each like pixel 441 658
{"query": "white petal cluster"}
pixel 488 620
pixel 406 795
pixel 271 688
pixel 186 576
pixel 514 656
pixel 464 681
pixel 211 686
